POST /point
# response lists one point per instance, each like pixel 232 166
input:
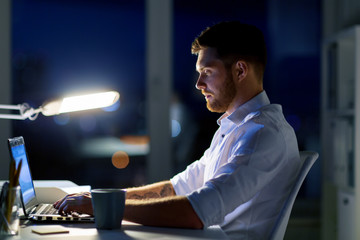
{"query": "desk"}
pixel 88 231
pixel 128 231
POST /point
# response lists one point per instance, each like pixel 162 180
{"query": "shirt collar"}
pixel 241 112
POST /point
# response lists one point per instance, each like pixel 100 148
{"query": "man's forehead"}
pixel 206 58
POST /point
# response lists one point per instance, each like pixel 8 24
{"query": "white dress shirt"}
pixel 243 178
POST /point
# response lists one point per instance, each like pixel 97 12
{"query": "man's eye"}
pixel 207 72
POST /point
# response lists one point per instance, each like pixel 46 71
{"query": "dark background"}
pixel 62 46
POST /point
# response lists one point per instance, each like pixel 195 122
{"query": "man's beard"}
pixel 226 95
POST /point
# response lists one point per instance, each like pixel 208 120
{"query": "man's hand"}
pixel 75 203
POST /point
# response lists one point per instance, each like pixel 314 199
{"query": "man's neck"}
pixel 240 99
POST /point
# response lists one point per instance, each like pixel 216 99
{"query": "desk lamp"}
pixel 65 105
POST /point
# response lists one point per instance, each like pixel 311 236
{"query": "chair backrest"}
pixel 308 158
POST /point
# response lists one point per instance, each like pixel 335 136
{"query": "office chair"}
pixel 308 158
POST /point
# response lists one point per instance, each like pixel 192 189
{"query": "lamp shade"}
pixel 80 103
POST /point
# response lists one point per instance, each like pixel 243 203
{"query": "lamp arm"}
pixel 28 112
pixel 25 111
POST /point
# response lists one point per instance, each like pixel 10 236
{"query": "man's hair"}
pixel 234 41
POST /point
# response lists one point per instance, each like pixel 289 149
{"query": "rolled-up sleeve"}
pixel 190 179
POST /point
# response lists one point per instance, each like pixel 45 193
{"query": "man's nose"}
pixel 200 84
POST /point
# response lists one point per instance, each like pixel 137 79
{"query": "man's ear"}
pixel 241 69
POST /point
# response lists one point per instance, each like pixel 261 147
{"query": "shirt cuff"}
pixel 208 205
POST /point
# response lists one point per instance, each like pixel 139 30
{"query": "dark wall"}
pixel 62 46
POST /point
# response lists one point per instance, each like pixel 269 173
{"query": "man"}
pixel 243 178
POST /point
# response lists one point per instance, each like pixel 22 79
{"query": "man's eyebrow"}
pixel 199 69
pixel 205 65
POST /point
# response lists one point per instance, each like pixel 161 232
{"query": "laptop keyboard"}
pixel 46 209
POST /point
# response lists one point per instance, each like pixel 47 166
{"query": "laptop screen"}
pixel 18 152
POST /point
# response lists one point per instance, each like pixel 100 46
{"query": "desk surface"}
pixel 128 231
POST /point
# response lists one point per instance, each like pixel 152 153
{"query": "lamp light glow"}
pixel 80 103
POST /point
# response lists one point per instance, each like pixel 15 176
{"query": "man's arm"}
pixel 81 202
pixel 174 211
pixel 157 205
pixel 155 190
pixel 154 205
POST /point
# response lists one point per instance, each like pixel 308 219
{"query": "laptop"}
pixel 33 209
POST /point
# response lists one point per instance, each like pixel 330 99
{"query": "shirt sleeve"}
pixel 251 166
pixel 192 178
